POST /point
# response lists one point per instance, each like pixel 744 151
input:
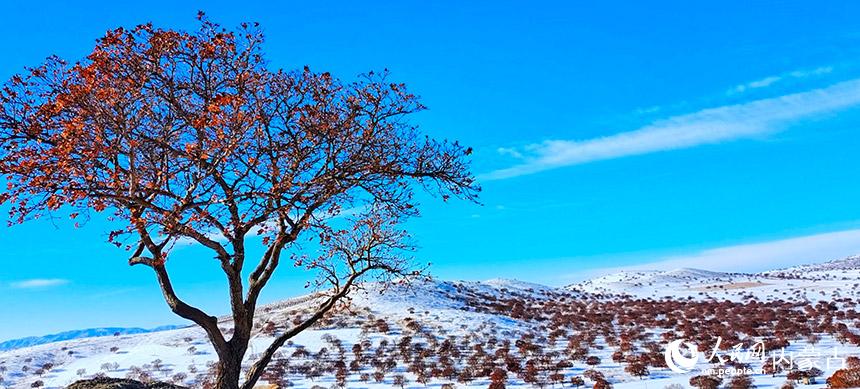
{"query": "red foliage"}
pixel 705 382
pixel 177 153
pixel 844 378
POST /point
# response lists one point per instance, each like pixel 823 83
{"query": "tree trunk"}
pixel 229 371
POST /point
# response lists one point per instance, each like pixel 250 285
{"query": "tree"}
pixel 400 381
pixel 844 378
pixel 795 375
pixel 637 369
pixel 189 137
pixel 602 384
pixel 498 378
pixel 593 375
pixel 741 381
pixel 179 378
pixel 772 368
pixel 705 382
pixel 814 372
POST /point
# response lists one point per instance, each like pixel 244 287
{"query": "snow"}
pixel 441 306
pixel 827 281
pixel 77 334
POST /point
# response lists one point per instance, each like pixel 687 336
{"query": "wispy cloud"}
pixel 753 257
pixel 509 151
pixel 708 126
pixel 37 283
pixel 768 81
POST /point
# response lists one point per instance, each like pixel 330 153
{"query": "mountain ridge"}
pixel 30 341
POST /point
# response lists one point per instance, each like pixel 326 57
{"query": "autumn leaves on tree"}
pixel 183 136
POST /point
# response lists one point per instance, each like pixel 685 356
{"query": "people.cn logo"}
pixel 676 361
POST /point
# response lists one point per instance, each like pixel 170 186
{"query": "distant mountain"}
pixel 844 264
pixel 821 281
pixel 628 282
pixel 78 334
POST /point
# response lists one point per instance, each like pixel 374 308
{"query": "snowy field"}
pixel 407 321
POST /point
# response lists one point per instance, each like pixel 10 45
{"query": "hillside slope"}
pixel 825 281
pixel 454 331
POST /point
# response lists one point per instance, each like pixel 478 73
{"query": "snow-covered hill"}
pixel 78 334
pixel 441 307
pixel 825 281
pixel 483 321
pixel 840 269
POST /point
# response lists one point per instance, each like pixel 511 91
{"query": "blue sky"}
pixel 606 136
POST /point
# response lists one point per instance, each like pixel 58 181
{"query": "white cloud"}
pixel 768 81
pixel 754 257
pixel 709 126
pixel 813 72
pixel 38 283
pixel 509 151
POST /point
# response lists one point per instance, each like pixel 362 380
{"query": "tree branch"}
pixel 258 367
pixel 209 323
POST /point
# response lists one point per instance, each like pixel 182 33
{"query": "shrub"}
pixel 844 378
pixel 705 382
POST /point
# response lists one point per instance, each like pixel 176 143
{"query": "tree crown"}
pixel 191 136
